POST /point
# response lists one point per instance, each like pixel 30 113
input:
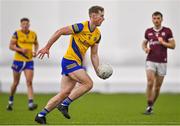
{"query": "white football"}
pixel 105 71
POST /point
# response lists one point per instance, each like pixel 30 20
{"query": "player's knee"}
pixel 150 82
pixel 65 93
pixel 15 83
pixel 89 84
pixel 29 82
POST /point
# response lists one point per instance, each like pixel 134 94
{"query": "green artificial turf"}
pixel 96 109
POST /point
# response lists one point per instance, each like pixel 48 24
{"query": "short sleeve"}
pixel 98 41
pixel 170 34
pixel 35 36
pixel 15 36
pixel 146 35
pixel 77 28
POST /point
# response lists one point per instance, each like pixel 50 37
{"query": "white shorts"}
pixel 159 68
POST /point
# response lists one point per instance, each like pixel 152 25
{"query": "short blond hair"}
pixel 95 9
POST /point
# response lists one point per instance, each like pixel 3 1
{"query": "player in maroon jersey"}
pixel 157 40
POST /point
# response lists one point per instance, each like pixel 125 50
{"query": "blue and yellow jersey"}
pixel 81 39
pixel 25 41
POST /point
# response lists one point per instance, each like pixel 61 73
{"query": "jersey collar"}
pixel 26 32
pixel 90 27
pixel 157 30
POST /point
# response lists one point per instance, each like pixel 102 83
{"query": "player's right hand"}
pixel 42 52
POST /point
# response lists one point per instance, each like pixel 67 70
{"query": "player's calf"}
pixel 89 85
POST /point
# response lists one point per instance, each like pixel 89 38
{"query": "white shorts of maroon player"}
pixel 159 68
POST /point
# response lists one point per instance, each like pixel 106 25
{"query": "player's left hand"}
pixel 42 52
pixel 160 39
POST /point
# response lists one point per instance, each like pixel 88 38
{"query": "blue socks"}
pixel 30 102
pixel 43 113
pixel 66 102
pixel 11 99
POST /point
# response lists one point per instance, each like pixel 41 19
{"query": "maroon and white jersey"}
pixel 158 52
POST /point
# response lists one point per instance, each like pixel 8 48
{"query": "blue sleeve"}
pixel 77 28
pixel 15 35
